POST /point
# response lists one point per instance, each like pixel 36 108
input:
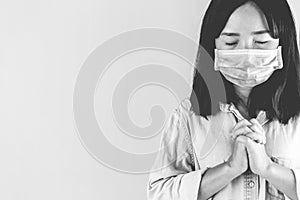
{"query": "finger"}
pixel 254 128
pixel 255 122
pixel 241 123
pixel 241 131
pixel 248 142
pixel 242 139
pixel 252 147
pixel 258 138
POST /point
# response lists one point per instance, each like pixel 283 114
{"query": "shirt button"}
pixel 251 184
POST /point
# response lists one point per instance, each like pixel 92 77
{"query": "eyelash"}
pixel 234 43
pixel 231 44
pixel 264 42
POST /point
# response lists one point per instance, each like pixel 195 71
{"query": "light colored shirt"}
pixel 190 144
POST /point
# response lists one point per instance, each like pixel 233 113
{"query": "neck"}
pixel 243 94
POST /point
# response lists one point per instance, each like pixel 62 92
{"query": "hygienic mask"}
pixel 248 67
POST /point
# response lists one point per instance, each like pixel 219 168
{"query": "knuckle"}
pixel 242 138
pixel 251 135
pixel 248 130
pixel 238 139
pixel 253 120
pixel 247 139
pixel 253 126
pixel 243 121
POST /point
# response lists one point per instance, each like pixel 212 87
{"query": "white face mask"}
pixel 248 67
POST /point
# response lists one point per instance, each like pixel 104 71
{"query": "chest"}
pixel 213 144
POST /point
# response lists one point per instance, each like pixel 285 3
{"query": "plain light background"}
pixel 43 44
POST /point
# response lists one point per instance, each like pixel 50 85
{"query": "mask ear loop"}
pixel 216 61
pixel 279 58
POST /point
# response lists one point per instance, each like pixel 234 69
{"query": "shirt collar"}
pixel 225 107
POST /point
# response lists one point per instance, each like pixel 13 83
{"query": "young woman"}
pixel 249 149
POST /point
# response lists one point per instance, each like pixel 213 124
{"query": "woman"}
pixel 249 149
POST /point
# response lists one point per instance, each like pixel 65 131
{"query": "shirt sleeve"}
pixel 173 174
pixel 292 130
pixel 296 172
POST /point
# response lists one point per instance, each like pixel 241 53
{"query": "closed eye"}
pixel 231 44
pixel 261 42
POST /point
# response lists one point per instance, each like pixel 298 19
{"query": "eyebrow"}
pixel 253 33
pixel 260 32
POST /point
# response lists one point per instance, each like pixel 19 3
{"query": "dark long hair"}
pixel 279 96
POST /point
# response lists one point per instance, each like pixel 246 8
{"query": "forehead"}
pixel 246 18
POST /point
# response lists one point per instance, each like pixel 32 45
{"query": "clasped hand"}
pixel 249 150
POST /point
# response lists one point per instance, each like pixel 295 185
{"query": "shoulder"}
pixel 293 124
pixel 181 118
pixel 185 107
pixel 285 139
pixel 291 129
pixel 180 115
pixel 185 112
pixel 187 116
pixel 197 124
pixel 176 132
pixel 182 112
